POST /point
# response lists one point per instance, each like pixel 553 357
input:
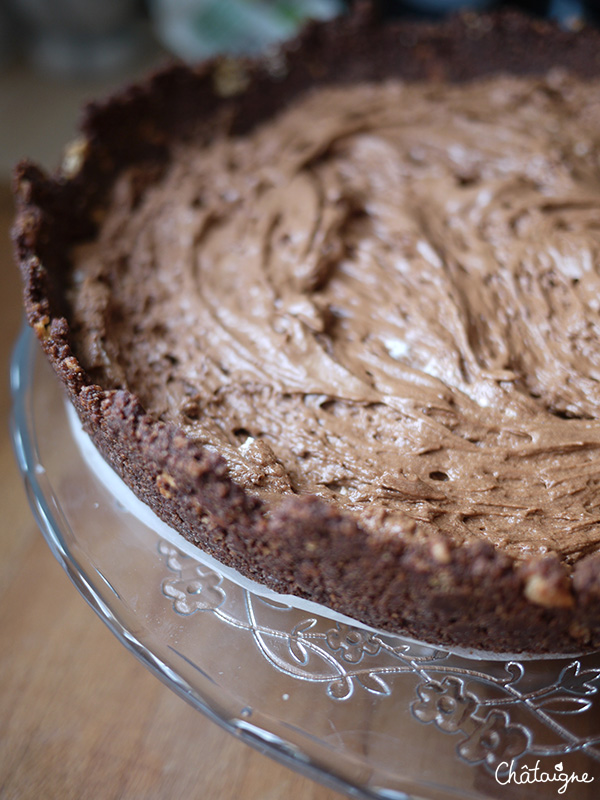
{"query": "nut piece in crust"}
pixel 546 584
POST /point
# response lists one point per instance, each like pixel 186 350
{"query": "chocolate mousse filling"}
pixel 387 296
pixel 335 316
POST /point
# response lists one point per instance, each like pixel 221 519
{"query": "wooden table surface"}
pixel 79 716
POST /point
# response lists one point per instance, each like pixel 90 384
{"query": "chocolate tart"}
pixel 415 574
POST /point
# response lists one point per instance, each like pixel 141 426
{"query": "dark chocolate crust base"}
pixel 471 596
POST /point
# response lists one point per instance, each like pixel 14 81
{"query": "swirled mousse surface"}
pixel 387 296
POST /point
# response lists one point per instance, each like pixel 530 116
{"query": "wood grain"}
pixel 79 716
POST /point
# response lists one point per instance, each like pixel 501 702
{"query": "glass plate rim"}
pixel 40 427
pixel 41 498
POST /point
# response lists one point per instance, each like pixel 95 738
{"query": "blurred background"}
pixel 55 54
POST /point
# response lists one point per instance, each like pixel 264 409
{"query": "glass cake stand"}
pixel 372 715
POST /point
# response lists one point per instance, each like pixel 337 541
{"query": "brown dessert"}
pixel 335 318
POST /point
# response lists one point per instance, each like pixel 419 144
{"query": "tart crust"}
pixel 471 596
